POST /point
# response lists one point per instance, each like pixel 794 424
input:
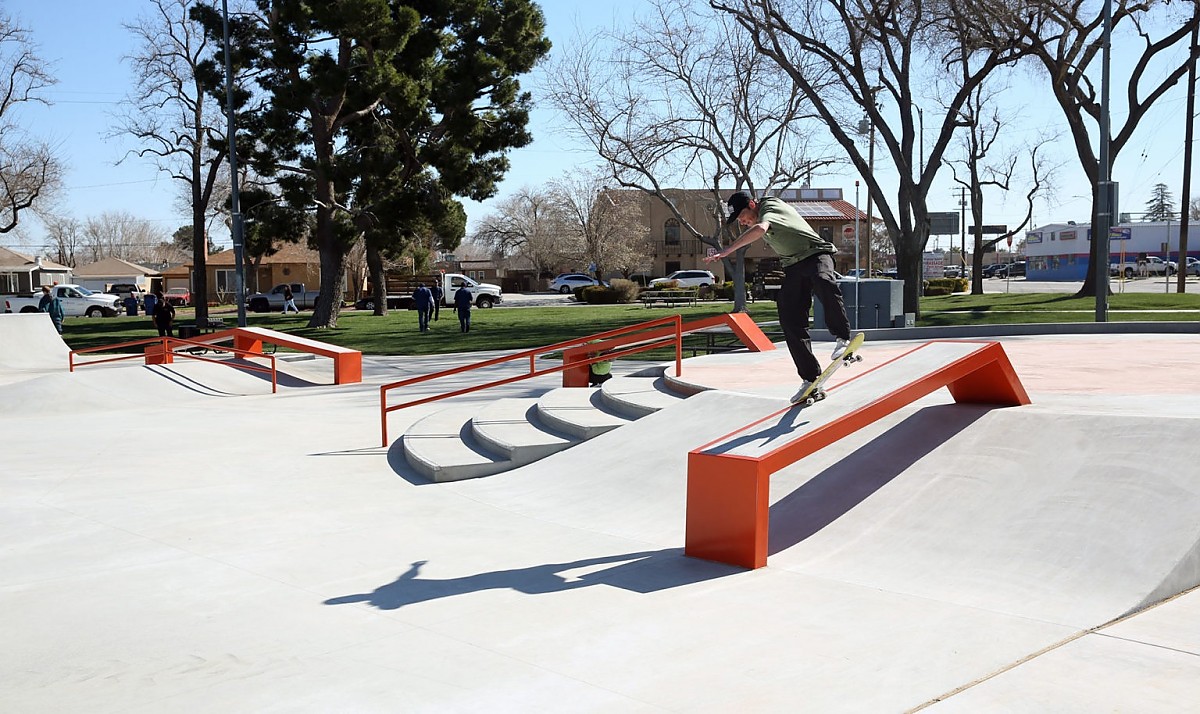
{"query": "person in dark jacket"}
pixel 438 294
pixel 423 300
pixel 462 305
pixel 51 304
pixel 164 315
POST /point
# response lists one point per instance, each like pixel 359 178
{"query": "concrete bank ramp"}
pixel 28 341
pixel 1027 511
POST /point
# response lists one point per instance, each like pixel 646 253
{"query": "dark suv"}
pixel 1011 270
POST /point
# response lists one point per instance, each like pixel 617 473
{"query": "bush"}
pixel 598 295
pixel 627 290
pixel 945 286
pixel 724 291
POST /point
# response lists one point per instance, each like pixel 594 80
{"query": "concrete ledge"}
pixel 1045 328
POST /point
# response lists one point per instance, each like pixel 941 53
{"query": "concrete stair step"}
pixel 637 397
pixel 578 411
pixel 511 427
pixel 442 447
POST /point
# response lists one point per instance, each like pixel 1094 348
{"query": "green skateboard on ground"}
pixel 815 393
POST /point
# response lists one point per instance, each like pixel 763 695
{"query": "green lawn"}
pixel 525 327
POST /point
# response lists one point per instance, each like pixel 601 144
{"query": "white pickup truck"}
pixel 273 301
pixel 1150 265
pixel 77 301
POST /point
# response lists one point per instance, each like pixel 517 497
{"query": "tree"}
pixel 66 238
pixel 1065 40
pixel 884 59
pixel 423 70
pixel 605 232
pixel 175 112
pixel 684 98
pixel 529 224
pixel 29 170
pixel 1194 209
pixel 1161 206
pixel 119 234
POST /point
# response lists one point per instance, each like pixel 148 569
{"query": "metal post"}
pixel 1104 206
pixel 858 271
pixel 235 227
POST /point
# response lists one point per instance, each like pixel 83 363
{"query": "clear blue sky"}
pixel 85 43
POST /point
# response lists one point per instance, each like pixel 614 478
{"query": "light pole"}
pixel 1104 187
pixel 858 271
pixel 235 212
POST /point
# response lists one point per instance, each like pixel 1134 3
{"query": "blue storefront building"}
pixel 1060 251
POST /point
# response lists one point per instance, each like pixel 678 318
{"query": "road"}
pixel 1136 285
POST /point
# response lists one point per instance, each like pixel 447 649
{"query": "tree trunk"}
pixel 378 283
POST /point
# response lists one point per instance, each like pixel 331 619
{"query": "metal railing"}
pixel 169 345
pixel 675 339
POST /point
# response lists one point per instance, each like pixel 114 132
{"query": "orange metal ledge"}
pixel 728 506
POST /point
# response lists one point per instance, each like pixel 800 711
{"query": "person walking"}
pixel 51 304
pixel 289 300
pixel 423 299
pixel 462 305
pixel 438 294
pixel 164 315
pixel 807 271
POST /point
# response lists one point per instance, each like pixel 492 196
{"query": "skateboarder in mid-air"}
pixel 807 270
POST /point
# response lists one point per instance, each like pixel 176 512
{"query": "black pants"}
pixel 812 276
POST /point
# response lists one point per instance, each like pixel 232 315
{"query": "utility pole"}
pixel 962 227
pixel 1181 275
pixel 1104 188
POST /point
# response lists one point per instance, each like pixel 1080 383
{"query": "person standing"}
pixel 438 294
pixel 289 300
pixel 51 304
pixel 807 270
pixel 423 299
pixel 462 305
pixel 164 315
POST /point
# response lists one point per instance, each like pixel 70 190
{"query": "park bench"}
pixel 670 298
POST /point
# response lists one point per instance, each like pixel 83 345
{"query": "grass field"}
pixel 524 327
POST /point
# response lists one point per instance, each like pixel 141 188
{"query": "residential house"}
pixel 291 263
pixel 824 208
pixel 103 273
pixel 22 274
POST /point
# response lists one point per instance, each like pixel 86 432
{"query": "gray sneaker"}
pixel 802 394
pixel 839 348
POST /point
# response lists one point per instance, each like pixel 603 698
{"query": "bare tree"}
pixel 986 127
pixel 173 116
pixel 1064 37
pixel 684 98
pixel 66 238
pixel 529 224
pixel 28 167
pixel 886 59
pixel 119 234
pixel 605 233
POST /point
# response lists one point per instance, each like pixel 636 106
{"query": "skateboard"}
pixel 815 393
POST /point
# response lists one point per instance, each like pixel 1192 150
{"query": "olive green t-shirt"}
pixel 790 235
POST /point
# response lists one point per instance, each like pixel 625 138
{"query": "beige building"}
pixel 673 247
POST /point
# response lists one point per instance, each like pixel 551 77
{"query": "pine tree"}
pixel 1160 207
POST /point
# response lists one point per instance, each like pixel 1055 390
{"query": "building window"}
pixel 826 233
pixel 671 266
pixel 225 282
pixel 671 231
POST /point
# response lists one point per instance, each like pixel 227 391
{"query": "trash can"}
pixel 131 306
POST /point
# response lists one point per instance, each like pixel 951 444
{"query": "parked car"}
pixel 76 300
pixel 178 297
pixel 567 282
pixel 990 270
pixel 1011 270
pixel 1193 266
pixel 687 279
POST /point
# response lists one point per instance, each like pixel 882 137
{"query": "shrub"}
pixel 599 295
pixel 724 291
pixel 945 286
pixel 627 290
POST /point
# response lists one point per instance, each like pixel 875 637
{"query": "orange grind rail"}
pixel 728 494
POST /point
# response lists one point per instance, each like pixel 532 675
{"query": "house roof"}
pixel 12 260
pixel 290 253
pixel 113 266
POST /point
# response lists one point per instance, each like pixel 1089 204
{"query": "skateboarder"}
pixel 807 270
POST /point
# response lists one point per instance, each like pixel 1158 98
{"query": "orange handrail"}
pixel 675 339
pixel 168 345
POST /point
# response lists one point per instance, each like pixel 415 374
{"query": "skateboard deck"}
pixel 815 392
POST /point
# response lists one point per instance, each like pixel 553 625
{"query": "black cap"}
pixel 737 203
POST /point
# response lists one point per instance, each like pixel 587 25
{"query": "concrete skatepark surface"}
pixel 177 538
